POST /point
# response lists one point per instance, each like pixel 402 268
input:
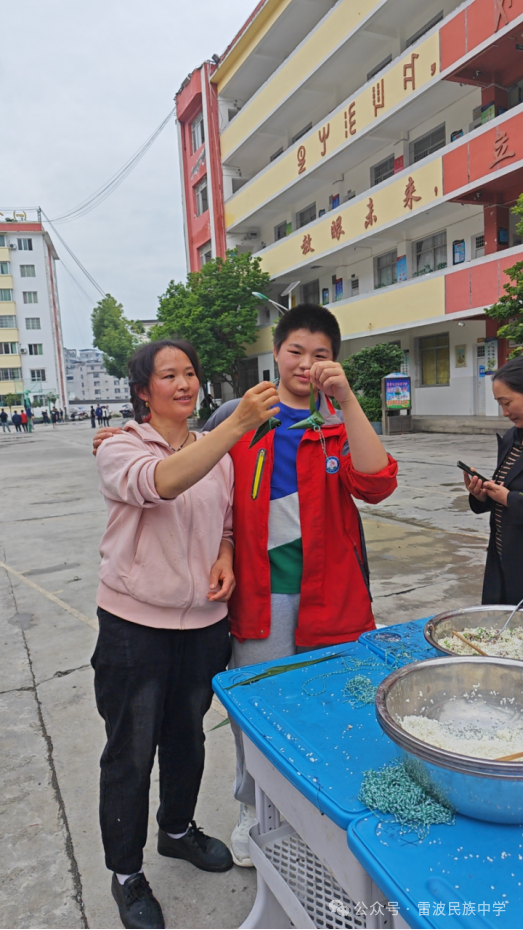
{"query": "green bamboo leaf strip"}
pixel 279 670
pixel 262 430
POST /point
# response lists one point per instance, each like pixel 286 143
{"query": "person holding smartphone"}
pixel 502 497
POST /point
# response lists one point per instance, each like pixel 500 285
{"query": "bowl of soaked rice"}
pixel 479 625
pixel 450 720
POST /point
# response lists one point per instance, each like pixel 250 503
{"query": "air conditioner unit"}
pixel 12 245
pixel 23 351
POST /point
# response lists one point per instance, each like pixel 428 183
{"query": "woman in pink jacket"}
pixel 165 579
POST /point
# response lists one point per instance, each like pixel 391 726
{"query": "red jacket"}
pixel 335 603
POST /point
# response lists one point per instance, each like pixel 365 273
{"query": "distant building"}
pixel 31 345
pixel 88 381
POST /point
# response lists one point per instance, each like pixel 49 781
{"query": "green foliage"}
pixel 114 335
pixel 12 400
pixel 216 311
pixel 509 308
pixel 365 369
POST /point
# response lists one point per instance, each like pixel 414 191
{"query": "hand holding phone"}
pixel 470 471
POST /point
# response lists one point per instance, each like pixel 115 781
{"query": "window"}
pixel 383 170
pixel 435 359
pixel 116 382
pixel 426 144
pixel 205 252
pixel 421 32
pixel 280 231
pixel 301 132
pixel 5 294
pixel 383 64
pixel 30 297
pixel 2 240
pixel 27 271
pixel 306 216
pixel 8 348
pixel 200 193
pixel 478 246
pixel 36 348
pixel 248 374
pixel 354 287
pixel 37 374
pixel 117 391
pixel 277 154
pixel 97 391
pixel 5 267
pixel 430 253
pixel 32 322
pixel 197 133
pixel 25 245
pixel 310 292
pixel 385 269
pixel 10 374
pixel 7 322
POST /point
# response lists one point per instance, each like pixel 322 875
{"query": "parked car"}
pixel 127 411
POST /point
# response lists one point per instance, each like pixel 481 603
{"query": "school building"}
pixel 369 151
pixel 31 344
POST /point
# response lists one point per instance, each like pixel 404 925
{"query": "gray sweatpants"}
pixel 279 644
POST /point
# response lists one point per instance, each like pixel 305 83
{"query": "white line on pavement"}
pixel 51 597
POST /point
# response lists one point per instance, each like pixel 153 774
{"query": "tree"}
pixel 216 311
pixel 509 307
pixel 12 400
pixel 366 368
pixel 115 336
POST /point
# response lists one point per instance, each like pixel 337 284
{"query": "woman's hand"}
pixel 256 406
pixel 329 377
pixel 476 487
pixel 497 492
pixel 222 582
pixel 105 433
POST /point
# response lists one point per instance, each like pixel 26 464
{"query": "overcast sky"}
pixel 83 85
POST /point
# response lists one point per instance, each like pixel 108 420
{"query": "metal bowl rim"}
pixel 433 622
pixel 433 754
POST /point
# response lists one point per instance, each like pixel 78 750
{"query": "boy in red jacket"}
pixel 300 564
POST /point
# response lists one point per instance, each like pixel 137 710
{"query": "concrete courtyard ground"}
pixel 426 552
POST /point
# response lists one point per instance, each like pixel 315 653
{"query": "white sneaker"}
pixel 240 836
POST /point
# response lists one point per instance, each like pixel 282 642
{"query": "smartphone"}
pixel 471 472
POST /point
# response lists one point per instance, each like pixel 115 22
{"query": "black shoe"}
pixel 205 852
pixel 137 905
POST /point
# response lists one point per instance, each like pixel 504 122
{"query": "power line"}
pixel 73 256
pixel 107 189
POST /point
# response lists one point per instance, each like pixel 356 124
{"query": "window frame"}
pixel 435 348
pixel 3 292
pixel 30 297
pixel 35 345
pixel 431 147
pixel 300 213
pixel 8 316
pixel 201 196
pixel 7 265
pixel 197 127
pixel 23 273
pixel 377 268
pixel 12 350
pixel 418 251
pixel 24 244
pixel 387 173
pixel 33 373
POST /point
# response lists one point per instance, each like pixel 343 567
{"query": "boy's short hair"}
pixel 312 317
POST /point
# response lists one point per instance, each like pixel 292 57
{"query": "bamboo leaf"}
pixel 279 670
pixel 223 723
pixel 262 430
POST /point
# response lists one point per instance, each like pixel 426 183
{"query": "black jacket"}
pixel 503 581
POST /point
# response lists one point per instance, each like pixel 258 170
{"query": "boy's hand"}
pixel 105 433
pixel 330 378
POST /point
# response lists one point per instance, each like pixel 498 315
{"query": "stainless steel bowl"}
pixel 459 690
pixel 489 615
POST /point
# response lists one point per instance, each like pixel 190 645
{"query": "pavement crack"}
pixel 15 690
pixel 69 847
pixel 67 671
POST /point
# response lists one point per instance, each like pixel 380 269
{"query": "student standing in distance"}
pixel 4 420
pixel 165 578
pixel 92 414
pixel 17 422
pixel 23 417
pixel 300 561
pixel 99 414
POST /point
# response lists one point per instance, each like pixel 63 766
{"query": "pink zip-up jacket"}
pixel 157 554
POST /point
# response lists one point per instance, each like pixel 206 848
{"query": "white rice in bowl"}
pixel 466 740
pixel 508 646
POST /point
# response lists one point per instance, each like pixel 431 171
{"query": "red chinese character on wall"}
pixel 350 120
pixel 371 217
pixel 378 96
pixel 323 135
pixel 501 148
pixel 301 154
pixel 409 73
pixel 336 228
pixel 410 191
pixel 306 245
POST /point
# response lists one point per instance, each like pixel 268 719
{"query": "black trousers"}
pixel 153 688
